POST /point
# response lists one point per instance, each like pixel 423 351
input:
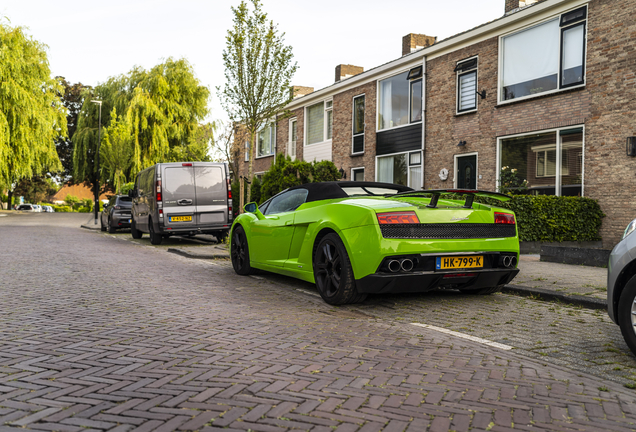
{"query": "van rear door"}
pixel 179 197
pixel 211 194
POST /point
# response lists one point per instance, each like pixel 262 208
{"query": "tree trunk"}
pixel 248 196
pixel 241 195
pixel 10 198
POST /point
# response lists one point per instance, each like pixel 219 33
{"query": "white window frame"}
pixel 457 75
pixel 364 127
pixel 356 169
pixel 272 137
pixel 557 181
pixel 408 106
pixel 408 164
pixel 559 88
pixel 325 125
pixel 290 142
pixel 456 167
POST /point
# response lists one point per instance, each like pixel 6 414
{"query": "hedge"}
pixel 550 218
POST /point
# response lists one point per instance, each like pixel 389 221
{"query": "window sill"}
pixel 357 154
pixel 502 104
pixel 264 156
pixel 459 114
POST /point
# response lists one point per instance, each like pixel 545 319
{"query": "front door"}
pixel 467 172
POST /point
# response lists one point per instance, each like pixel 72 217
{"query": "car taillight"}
pixel 504 218
pixel 397 218
pixel 229 197
pixel 187 164
pixel 117 207
pixel 158 190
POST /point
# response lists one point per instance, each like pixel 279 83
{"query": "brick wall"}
pixel 342 131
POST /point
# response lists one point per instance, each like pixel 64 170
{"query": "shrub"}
pixel 236 196
pixel 549 218
pixel 256 190
pixel 62 209
pixel 127 187
pixel 71 200
pixel 84 209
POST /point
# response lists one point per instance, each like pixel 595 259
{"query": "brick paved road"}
pixel 99 333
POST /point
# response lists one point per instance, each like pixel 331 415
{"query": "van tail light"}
pixel 160 213
pixel 158 190
pixel 504 218
pixel 229 198
pixel 398 218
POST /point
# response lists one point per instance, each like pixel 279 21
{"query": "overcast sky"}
pixel 90 41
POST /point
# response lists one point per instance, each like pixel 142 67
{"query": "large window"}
pixel 545 57
pixel 547 163
pixel 400 99
pixel 266 140
pixel 319 122
pixel 403 169
pixel 466 85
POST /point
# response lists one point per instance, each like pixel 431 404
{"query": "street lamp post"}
pixel 99 141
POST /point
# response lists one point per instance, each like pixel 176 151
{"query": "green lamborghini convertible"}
pixel 356 238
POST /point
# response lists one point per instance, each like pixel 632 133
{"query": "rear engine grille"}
pixel 447 231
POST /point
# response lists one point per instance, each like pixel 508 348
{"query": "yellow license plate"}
pixel 460 262
pixel 180 218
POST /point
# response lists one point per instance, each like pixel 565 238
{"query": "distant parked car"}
pixel 27 207
pixel 621 285
pixel 116 213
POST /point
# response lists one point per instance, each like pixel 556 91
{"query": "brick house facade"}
pixel 561 135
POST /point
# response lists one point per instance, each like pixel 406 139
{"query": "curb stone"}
pixel 197 256
pixel 544 294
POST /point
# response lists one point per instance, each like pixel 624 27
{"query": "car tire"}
pixel 101 223
pixel 136 234
pixel 333 272
pixel 111 229
pixel 626 311
pixel 240 252
pixel 155 238
pixel 482 291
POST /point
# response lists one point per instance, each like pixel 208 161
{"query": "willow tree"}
pixel 31 112
pixel 258 72
pixel 116 152
pixel 163 108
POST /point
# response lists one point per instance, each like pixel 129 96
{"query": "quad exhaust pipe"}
pixel 509 261
pixel 403 264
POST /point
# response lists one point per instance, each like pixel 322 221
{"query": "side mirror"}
pixel 253 208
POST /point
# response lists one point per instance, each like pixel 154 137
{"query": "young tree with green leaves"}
pixel 72 100
pixel 31 112
pixel 258 73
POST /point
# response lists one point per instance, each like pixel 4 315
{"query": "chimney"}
pixel 513 5
pixel 345 71
pixel 412 42
pixel 301 91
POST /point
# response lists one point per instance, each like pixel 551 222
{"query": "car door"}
pixel 179 197
pixel 271 236
pixel 211 195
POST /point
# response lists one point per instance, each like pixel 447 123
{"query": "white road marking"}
pixel 308 292
pixel 465 336
pixel 3 215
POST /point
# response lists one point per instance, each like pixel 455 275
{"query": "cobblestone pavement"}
pixel 97 333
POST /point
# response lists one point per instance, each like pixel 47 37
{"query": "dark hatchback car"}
pixel 116 213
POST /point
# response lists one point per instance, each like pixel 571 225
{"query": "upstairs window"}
pixel 319 122
pixel 400 99
pixel 291 146
pixel 544 58
pixel 358 125
pixel 466 85
pixel 266 141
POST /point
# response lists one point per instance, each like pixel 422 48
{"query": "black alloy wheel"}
pixel 627 313
pixel 155 238
pixel 240 252
pixel 333 272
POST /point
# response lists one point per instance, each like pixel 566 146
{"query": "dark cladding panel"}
pixel 358 143
pixel 399 140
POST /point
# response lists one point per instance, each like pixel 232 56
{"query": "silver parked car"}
pixel 621 285
pixel 182 198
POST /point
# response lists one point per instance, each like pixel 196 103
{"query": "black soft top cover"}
pixel 333 190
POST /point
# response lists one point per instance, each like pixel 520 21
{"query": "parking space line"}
pixel 308 292
pixel 465 336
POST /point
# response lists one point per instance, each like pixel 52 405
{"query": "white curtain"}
pixel 315 123
pixel 573 48
pixel 415 180
pixel 385 169
pixel 386 110
pixel 531 54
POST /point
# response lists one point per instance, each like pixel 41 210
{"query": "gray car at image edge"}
pixel 182 198
pixel 621 285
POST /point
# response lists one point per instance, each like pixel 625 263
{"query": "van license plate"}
pixel 460 262
pixel 180 218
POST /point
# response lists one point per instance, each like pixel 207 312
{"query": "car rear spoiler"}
pixel 469 193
